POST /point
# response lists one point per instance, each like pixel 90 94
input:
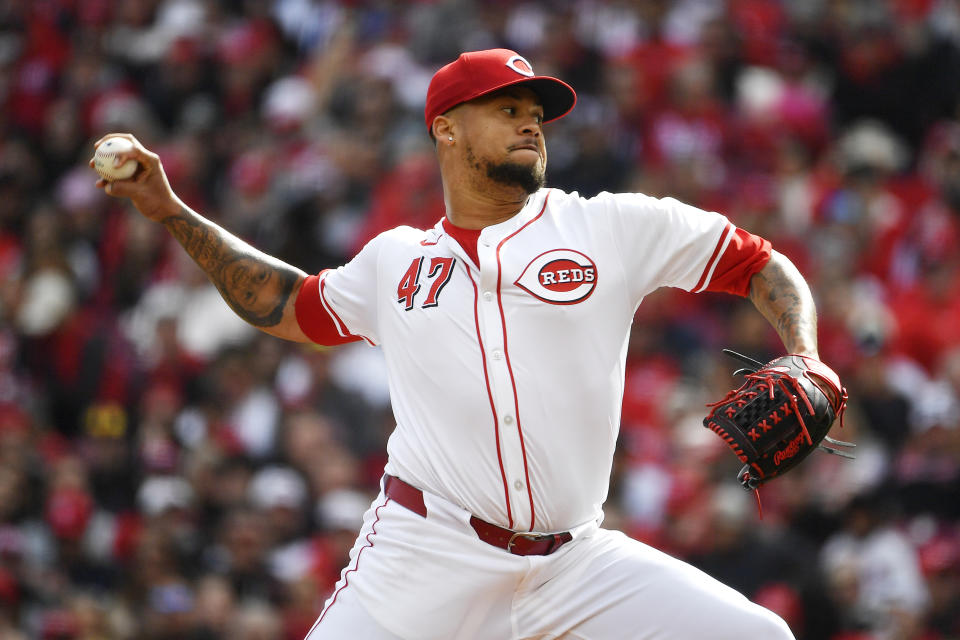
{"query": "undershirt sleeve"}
pixel 731 269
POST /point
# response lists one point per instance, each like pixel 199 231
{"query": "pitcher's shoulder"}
pixel 405 235
pixel 569 202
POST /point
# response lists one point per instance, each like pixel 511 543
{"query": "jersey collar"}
pixel 530 210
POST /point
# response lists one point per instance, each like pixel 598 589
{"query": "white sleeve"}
pixel 349 293
pixel 664 242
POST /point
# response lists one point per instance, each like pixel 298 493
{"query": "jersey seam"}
pixel 506 355
pixel 493 408
pixel 631 298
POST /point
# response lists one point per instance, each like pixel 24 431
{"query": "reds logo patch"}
pixel 520 65
pixel 559 276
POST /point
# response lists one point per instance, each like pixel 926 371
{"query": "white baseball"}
pixel 104 156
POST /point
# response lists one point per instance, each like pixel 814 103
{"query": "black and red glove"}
pixel 780 414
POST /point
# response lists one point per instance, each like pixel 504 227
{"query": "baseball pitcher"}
pixel 504 329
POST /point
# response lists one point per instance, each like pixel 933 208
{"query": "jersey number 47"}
pixel 438 273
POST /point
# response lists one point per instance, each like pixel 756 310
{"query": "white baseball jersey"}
pixel 506 370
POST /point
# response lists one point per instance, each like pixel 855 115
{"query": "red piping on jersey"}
pixel 506 354
pixel 346 574
pixel 714 258
pixel 424 243
pixel 341 325
pixel 493 408
pixel 313 317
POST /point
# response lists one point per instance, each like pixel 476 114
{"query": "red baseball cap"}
pixel 478 73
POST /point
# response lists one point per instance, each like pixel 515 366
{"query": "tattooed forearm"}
pixel 256 286
pixel 781 294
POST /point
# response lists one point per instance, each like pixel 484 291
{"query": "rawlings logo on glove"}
pixel 780 414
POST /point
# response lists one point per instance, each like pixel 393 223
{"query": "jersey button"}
pixel 487 296
pixel 518 485
pixel 498 355
pixel 508 419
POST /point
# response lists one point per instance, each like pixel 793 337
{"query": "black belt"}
pixel 518 543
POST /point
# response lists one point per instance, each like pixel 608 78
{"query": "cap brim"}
pixel 557 97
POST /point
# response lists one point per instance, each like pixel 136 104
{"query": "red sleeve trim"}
pixel 316 319
pixel 731 266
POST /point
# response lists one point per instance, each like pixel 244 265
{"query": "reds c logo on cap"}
pixel 520 65
pixel 559 276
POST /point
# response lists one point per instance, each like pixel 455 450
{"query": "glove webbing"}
pixel 742 395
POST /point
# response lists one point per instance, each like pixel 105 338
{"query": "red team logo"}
pixel 560 276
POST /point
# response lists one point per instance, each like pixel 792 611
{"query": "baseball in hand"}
pixel 104 156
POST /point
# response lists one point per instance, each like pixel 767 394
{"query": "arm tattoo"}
pixel 780 293
pixel 256 286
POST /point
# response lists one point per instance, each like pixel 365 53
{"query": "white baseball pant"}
pixel 415 578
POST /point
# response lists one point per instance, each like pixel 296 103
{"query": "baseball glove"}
pixel 780 414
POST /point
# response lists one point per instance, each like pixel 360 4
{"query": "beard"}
pixel 528 177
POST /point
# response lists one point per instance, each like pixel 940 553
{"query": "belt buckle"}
pixel 533 537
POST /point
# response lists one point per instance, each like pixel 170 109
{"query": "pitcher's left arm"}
pixel 781 294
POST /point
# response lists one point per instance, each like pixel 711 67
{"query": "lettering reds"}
pixel 560 276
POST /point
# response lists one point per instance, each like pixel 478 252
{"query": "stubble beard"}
pixel 528 177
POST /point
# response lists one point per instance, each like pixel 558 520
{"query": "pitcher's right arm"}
pixel 259 288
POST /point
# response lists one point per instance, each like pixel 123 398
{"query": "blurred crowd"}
pixel 168 472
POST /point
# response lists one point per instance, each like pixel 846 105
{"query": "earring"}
pixel 450 138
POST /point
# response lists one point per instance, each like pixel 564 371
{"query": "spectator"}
pixel 878 567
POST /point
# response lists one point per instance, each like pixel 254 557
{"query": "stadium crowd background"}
pixel 167 472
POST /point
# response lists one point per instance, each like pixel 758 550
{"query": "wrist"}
pixel 799 346
pixel 167 208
